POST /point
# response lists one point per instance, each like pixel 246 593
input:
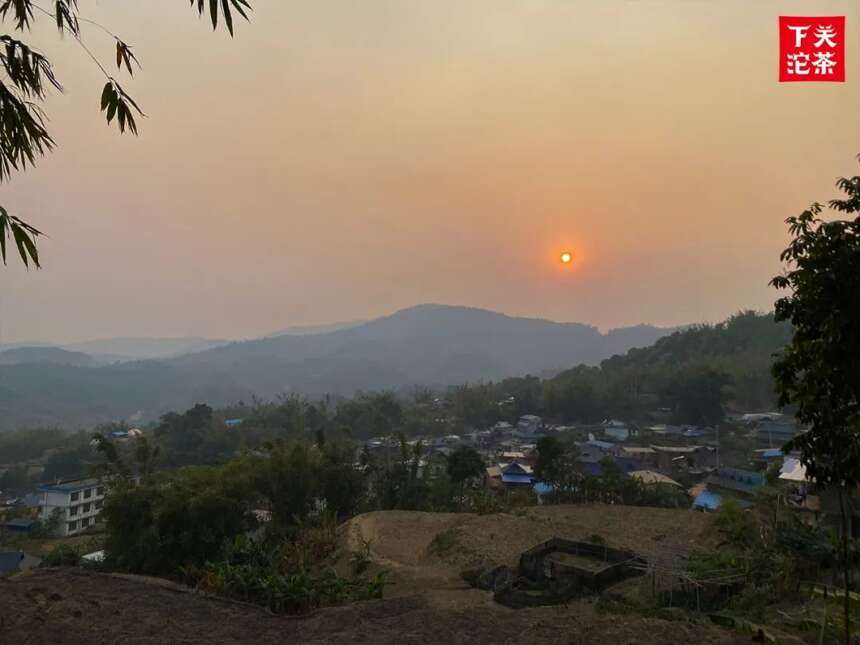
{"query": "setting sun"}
pixel 566 257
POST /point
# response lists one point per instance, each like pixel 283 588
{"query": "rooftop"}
pixel 681 450
pixel 69 486
pixel 652 477
pixel 639 450
pixel 516 478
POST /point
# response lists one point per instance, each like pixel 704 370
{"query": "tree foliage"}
pixel 28 77
pixel 817 371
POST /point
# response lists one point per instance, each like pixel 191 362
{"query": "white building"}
pixel 79 503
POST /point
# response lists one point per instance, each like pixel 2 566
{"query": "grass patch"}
pixel 445 542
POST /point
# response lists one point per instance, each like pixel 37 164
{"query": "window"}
pixel 87 508
pixel 99 504
pixel 85 522
pixel 88 493
pixel 76 496
pixel 73 526
pixel 100 491
pixel 73 510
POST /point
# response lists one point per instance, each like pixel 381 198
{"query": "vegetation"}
pixel 29 76
pixel 286 577
pixel 817 371
pixel 464 464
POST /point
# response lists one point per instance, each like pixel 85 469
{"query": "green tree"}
pixel 28 78
pixel 550 451
pixel 701 395
pixel 463 464
pixel 178 522
pixel 817 372
pixel 15 480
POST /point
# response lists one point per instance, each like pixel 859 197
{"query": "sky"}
pixel 339 160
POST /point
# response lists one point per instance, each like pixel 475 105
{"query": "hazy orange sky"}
pixel 340 160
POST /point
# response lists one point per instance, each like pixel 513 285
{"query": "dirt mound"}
pixel 431 545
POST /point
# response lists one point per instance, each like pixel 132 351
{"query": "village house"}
pixel 775 434
pixel 735 482
pixel 78 503
pixel 529 425
pixel 645 454
pixel 616 430
pixel 509 475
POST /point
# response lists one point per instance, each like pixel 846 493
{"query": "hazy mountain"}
pixel 312 330
pixel 427 344
pixel 143 348
pixel 41 354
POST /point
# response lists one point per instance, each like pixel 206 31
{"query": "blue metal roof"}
pixel 708 500
pixel 71 486
pixel 773 453
pixel 515 478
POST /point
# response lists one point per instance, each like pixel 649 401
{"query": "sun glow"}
pixel 566 257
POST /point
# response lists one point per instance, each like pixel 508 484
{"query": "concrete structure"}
pixel 78 503
pixel 558 570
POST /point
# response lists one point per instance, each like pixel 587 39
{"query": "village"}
pixel 692 458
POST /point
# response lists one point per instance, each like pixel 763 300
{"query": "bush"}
pixel 160 529
pixel 254 572
pixel 62 555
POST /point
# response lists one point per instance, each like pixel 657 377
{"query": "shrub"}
pixel 445 542
pixel 62 555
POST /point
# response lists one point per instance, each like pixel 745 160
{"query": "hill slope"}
pixel 426 602
pixel 740 349
pixel 38 354
pixel 427 344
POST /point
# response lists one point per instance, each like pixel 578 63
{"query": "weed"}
pixel 445 542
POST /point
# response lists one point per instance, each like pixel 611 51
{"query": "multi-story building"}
pixel 79 503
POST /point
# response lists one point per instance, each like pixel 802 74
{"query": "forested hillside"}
pixel 691 372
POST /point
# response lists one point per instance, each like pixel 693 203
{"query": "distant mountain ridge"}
pixel 312 330
pixel 39 354
pixel 422 345
pixel 144 348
